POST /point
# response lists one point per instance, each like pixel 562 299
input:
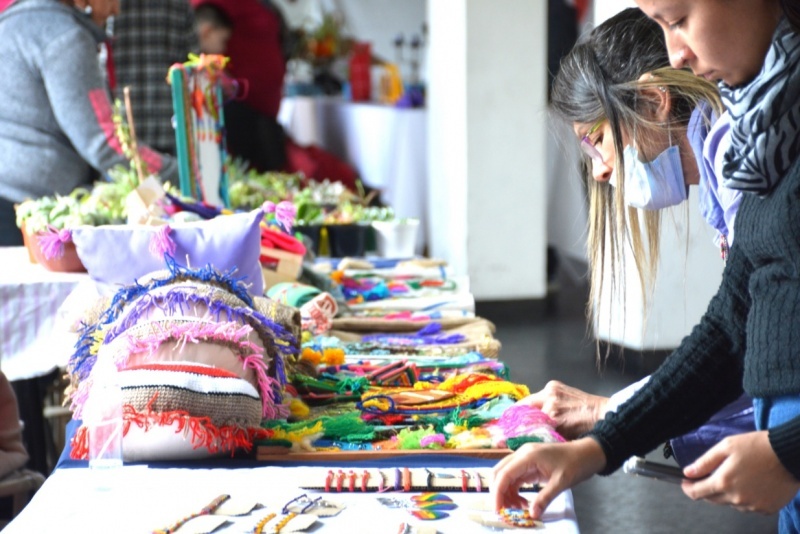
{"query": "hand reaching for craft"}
pixel 557 466
pixel 574 411
pixel 742 471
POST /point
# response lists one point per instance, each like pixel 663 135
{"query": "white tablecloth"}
pixel 33 340
pixel 139 500
pixel 387 145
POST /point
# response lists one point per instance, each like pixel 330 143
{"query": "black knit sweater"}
pixel 749 336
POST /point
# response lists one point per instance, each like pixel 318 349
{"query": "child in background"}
pixel 214 29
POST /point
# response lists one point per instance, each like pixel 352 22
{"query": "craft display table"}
pixel 30 299
pixel 138 499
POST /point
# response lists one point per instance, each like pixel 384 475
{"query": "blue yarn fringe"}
pixel 82 361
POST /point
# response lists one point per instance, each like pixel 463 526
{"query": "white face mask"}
pixel 656 184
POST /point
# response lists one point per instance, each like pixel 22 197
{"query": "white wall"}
pixel 486 74
pixel 487 139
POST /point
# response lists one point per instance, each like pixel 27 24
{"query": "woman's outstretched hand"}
pixel 574 411
pixel 556 466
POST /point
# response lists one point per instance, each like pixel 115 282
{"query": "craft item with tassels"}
pixel 201 361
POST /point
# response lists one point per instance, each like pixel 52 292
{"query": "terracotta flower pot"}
pixel 68 262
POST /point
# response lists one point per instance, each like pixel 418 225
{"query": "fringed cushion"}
pixel 183 411
pixel 200 390
pixel 120 254
pixel 196 356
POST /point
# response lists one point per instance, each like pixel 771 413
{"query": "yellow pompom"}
pixel 333 356
pixel 311 356
pixel 306 336
pixel 298 409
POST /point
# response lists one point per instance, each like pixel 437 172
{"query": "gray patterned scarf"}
pixel 765 118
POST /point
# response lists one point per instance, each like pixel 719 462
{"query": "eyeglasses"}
pixel 587 146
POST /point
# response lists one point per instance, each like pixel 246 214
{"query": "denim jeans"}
pixel 771 412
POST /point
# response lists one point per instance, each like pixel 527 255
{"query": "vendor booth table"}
pixel 139 499
pixel 34 342
pixel 30 298
pixel 387 145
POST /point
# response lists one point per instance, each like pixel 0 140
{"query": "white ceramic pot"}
pixel 396 239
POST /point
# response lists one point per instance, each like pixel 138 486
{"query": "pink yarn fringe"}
pixel 270 388
pixel 521 420
pixel 52 242
pixel 285 213
pixel 201 431
pixel 251 354
pixel 161 243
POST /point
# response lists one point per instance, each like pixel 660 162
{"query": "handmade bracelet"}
pixel 261 524
pixel 329 481
pixel 406 479
pixel 516 517
pixel 283 522
pixel 397 479
pixel 352 480
pixel 464 481
pixel 206 510
pixel 364 480
pixel 340 481
pixel 381 482
pixel 303 499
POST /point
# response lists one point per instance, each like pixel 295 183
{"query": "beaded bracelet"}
pixel 261 524
pixel 464 481
pixel 478 482
pixel 397 479
pixel 364 481
pixel 329 481
pixel 351 478
pixel 381 482
pixel 516 517
pixel 340 481
pixel 283 522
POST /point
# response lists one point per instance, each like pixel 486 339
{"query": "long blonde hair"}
pixel 600 79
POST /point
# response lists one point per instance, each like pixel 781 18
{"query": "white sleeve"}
pixel 619 398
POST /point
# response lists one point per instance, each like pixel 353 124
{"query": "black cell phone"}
pixel 646 468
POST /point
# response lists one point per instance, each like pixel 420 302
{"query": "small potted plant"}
pixel 45 222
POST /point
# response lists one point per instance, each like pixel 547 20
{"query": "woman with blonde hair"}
pixel 643 125
pixel 649 132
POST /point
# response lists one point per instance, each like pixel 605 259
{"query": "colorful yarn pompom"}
pixel 161 243
pixel 333 356
pixel 433 441
pixel 311 356
pixel 52 242
pixel 298 409
pixel 412 439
